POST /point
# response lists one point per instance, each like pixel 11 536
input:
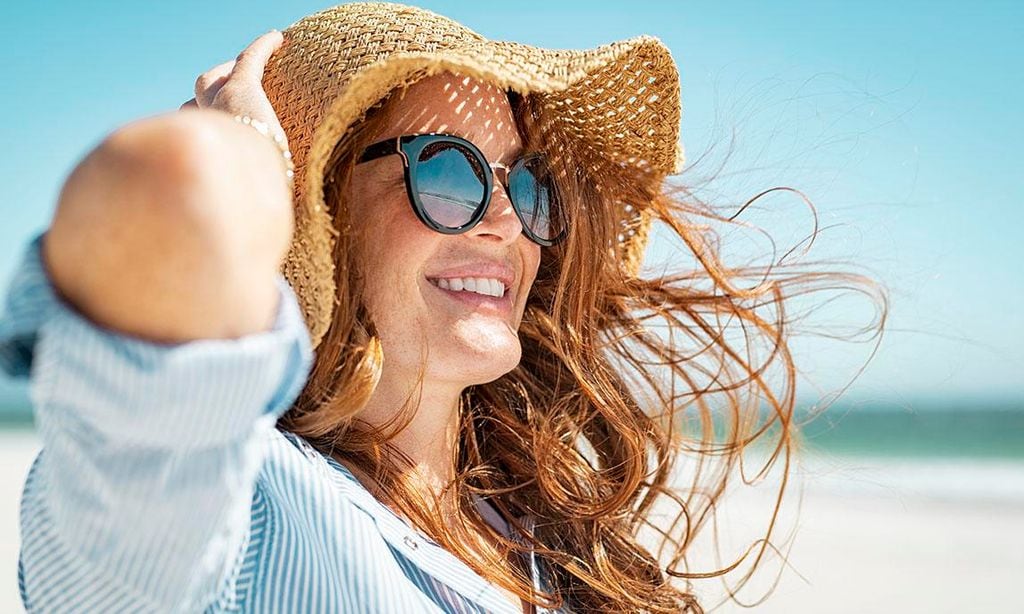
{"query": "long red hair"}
pixel 621 377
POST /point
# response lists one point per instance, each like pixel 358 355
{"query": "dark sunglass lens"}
pixel 533 192
pixel 450 183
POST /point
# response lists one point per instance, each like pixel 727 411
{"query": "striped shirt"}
pixel 163 484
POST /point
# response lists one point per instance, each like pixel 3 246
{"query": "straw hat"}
pixel 621 100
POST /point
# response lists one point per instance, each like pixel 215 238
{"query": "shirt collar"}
pixel 415 546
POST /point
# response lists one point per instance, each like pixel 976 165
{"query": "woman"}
pixel 490 413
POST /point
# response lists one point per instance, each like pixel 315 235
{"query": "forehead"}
pixel 454 104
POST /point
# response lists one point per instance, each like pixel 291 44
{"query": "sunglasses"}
pixel 449 182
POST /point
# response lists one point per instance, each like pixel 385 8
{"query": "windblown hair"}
pixel 615 385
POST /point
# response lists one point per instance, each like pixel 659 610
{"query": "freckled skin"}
pixel 463 346
pixel 425 330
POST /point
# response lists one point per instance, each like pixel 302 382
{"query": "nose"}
pixel 500 222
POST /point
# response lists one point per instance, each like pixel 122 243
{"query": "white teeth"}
pixel 480 285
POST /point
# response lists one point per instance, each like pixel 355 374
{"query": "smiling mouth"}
pixel 486 286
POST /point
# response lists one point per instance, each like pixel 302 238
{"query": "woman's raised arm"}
pixel 173 229
pixel 161 346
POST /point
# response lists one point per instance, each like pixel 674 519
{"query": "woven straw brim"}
pixel 621 101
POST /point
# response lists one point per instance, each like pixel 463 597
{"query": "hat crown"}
pixel 343 39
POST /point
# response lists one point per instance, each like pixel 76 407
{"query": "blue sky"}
pixel 901 122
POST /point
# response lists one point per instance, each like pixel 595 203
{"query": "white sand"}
pixel 885 535
pixel 17 451
pixel 874 536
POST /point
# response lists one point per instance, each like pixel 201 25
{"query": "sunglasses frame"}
pixel 410 146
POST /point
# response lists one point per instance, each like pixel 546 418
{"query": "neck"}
pixel 429 439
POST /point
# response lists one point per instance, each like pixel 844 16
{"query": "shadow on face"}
pixel 459 105
pixel 455 336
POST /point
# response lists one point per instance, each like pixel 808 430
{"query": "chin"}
pixel 480 360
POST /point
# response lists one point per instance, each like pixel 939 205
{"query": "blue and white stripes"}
pixel 164 486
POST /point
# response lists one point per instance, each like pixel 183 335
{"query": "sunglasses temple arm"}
pixel 381 149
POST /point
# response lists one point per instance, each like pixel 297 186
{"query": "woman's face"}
pixel 458 337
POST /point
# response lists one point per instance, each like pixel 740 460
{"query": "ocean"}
pixel 982 430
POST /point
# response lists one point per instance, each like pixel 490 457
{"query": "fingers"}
pixel 237 86
pixel 210 82
pixel 251 62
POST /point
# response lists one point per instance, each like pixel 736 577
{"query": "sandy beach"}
pixel 17 450
pixel 873 535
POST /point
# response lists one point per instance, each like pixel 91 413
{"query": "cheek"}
pixel 530 254
pixel 391 267
pixel 395 248
pixel 531 260
pixel 375 221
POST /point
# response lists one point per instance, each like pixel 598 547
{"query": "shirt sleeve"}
pixel 140 497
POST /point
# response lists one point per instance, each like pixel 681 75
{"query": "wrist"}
pixel 279 141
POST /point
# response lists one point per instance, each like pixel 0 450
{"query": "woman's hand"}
pixel 236 87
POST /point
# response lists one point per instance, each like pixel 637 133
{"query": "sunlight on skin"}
pixel 483 97
pixel 464 343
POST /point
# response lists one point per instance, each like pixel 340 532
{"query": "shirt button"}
pixel 412 543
